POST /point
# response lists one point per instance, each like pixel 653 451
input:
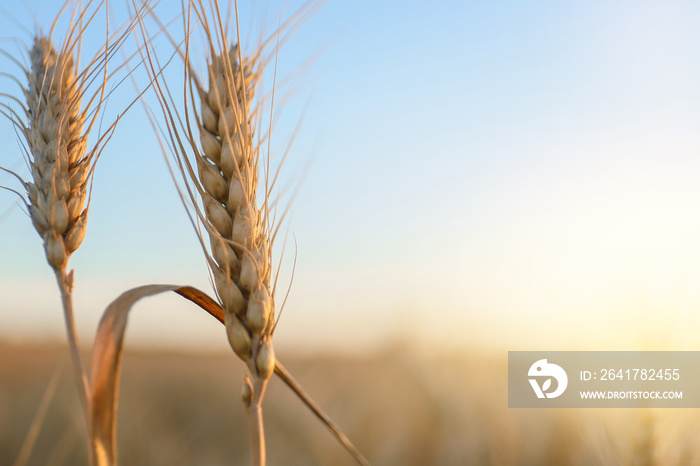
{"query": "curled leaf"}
pixel 106 365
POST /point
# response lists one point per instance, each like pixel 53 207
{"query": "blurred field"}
pixel 398 407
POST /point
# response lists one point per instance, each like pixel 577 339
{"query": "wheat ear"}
pixel 240 241
pixel 60 172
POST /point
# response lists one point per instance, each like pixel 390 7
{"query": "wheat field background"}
pixel 483 177
pixel 399 407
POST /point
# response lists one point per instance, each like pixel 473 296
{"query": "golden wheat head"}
pixel 218 155
pixel 240 242
pixel 60 165
pixel 61 106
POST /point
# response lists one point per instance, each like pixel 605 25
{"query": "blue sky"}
pixel 490 173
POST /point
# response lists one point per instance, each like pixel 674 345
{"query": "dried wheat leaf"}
pixel 106 362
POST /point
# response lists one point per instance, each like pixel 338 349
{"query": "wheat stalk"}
pixel 221 162
pixel 60 171
pixel 222 178
pixel 62 105
pixel 240 243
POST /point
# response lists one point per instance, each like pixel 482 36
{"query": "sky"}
pixel 511 175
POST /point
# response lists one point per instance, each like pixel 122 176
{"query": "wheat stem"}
pixel 257 435
pixel 58 123
pixel 252 398
pixel 65 285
